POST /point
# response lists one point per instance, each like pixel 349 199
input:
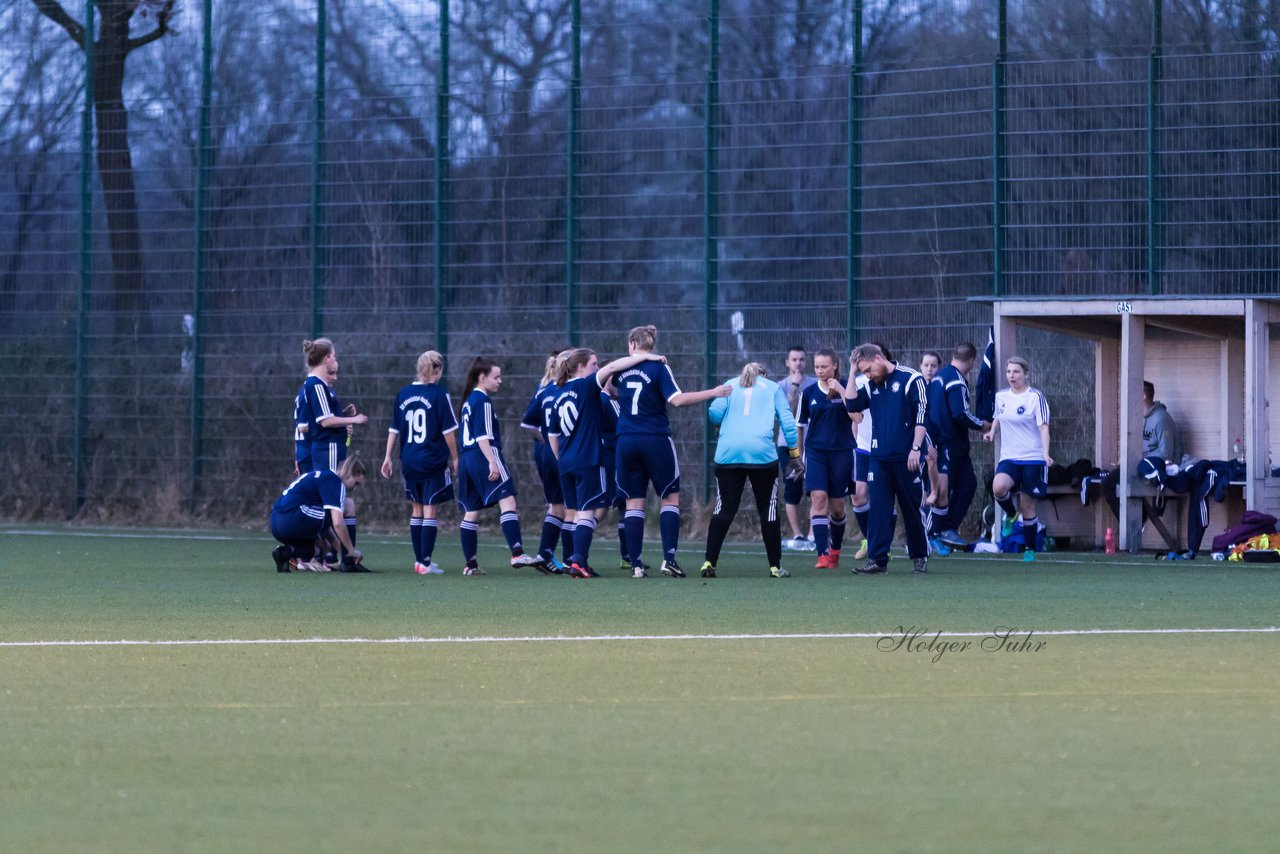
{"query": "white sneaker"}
pixel 638 572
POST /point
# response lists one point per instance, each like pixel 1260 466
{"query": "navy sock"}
pixel 566 540
pixel 511 530
pixel 551 526
pixel 837 532
pixel 820 530
pixel 862 514
pixel 622 537
pixel 582 535
pixel 634 521
pixel 470 540
pixel 1006 504
pixel 351 530
pixel 415 537
pixel 429 530
pixel 669 526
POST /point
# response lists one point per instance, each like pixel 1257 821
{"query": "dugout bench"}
pixel 1215 362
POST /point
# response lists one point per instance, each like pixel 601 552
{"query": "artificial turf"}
pixel 1088 742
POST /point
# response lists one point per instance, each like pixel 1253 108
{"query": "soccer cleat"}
pixel 778 572
pixel 429 568
pixel 835 558
pixel 920 566
pixel 556 567
pixel 861 553
pixel 672 569
pixel 952 538
pixel 639 572
pixel 870 568
pixel 938 546
pixel 313 566
pixel 708 569
pixel 826 561
pixel 282 562
pixel 472 569
pixel 349 565
pixel 624 565
pixel 577 570
pixel 525 559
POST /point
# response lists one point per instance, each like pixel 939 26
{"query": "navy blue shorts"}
pixel 548 472
pixel 584 489
pixel 861 466
pixel 644 459
pixel 327 456
pixel 828 471
pixel 609 457
pixel 297 528
pixel 943 465
pixel 1027 477
pixel 436 488
pixel 302 457
pixel 792 487
pixel 475 490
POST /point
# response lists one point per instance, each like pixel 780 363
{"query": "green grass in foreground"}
pixel 1095 742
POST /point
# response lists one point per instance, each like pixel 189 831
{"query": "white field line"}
pixel 412 640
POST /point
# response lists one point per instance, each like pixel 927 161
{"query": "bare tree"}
pixel 115 162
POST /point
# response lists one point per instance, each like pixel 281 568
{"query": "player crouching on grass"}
pixel 309 508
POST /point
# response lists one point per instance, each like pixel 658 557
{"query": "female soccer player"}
pixel 483 477
pixel 422 421
pixel 576 438
pixel 646 453
pixel 537 418
pixel 1022 422
pixel 746 451
pixel 309 508
pixel 828 457
pixel 938 424
pixel 328 422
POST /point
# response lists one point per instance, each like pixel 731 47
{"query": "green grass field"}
pixel 621 739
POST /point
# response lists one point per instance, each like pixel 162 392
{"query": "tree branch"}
pixel 53 10
pixel 161 30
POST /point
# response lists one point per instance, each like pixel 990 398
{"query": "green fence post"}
pixel 201 249
pixel 318 175
pixel 571 176
pixel 997 148
pixel 853 279
pixel 1154 72
pixel 711 213
pixel 86 264
pixel 441 186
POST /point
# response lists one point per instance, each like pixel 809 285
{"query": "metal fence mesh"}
pixel 165 395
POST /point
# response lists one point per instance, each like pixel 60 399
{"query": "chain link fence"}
pixel 403 176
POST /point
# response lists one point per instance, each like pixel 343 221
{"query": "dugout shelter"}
pixel 1215 362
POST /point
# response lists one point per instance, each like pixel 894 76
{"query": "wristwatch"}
pixel 915 447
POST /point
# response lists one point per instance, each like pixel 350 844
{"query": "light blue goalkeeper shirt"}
pixel 746 420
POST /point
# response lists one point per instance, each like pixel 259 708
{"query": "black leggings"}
pixel 730 482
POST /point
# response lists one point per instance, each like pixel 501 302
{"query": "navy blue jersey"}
pixel 322 403
pixel 301 441
pixel 957 409
pixel 608 425
pixel 936 420
pixel 643 392
pixel 421 417
pixel 312 494
pixel 478 422
pixel 898 405
pixel 577 422
pixel 538 414
pixel 827 426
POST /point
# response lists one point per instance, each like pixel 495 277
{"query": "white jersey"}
pixel 863 434
pixel 1020 417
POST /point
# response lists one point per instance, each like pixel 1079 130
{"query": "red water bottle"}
pixel 1109 542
